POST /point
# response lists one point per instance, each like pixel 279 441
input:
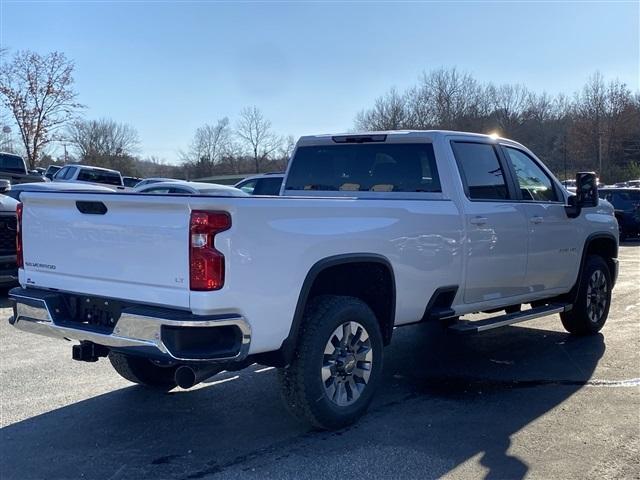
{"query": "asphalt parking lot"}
pixel 523 401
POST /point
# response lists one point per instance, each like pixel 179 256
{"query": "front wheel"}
pixel 337 364
pixel 590 311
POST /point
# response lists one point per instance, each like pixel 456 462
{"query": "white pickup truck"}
pixel 370 232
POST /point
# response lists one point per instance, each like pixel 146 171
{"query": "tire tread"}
pixel 292 377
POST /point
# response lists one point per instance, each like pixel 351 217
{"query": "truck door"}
pixel 553 239
pixel 496 228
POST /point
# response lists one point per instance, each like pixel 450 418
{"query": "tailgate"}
pixel 136 250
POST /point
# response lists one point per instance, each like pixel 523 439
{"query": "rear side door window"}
pixel 481 171
pixel 534 184
pixel 61 173
pixel 70 173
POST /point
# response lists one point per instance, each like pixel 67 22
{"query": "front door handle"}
pixel 478 221
pixel 536 220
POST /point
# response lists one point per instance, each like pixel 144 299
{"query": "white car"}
pixel 373 231
pixel 190 188
pixel 16 191
pixel 90 175
pixel 148 181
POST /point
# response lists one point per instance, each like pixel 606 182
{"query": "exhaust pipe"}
pixel 187 376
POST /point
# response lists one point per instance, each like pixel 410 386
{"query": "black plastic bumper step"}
pixel 477 326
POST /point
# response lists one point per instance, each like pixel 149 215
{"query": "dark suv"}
pixel 626 202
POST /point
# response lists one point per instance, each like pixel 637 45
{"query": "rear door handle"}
pixel 536 220
pixel 478 221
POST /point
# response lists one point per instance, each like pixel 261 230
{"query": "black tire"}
pixel 143 372
pixel 591 308
pixel 305 393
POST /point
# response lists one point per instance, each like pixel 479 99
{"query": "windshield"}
pixel 12 163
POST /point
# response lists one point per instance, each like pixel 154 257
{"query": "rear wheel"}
pixel 143 371
pixel 590 311
pixel 337 364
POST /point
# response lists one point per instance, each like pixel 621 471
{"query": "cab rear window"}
pixel 404 167
pixel 12 163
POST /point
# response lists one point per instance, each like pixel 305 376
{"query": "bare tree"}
pixel 255 133
pixel 95 139
pixel 210 143
pixel 389 113
pixel 509 104
pixel 38 91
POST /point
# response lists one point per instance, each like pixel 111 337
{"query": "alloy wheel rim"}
pixel 347 363
pixel 596 296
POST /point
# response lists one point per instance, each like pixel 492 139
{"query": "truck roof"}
pixel 393 135
pixel 81 165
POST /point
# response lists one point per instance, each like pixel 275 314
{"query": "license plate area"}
pixel 95 313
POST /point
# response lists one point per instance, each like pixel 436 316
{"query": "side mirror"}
pixel 586 189
pixel 5 186
pixel 586 194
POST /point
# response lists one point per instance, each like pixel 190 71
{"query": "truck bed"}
pixel 138 250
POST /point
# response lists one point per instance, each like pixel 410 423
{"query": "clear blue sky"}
pixel 168 67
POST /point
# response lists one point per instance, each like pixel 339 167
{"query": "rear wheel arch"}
pixel 345 275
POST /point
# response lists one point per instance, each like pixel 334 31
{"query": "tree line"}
pixel 597 128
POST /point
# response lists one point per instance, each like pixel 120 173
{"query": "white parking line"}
pixel 264 369
pixel 632 382
pixel 217 382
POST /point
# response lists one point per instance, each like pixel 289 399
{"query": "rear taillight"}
pixel 206 264
pixel 19 256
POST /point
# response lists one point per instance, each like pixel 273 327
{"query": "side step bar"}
pixel 467 326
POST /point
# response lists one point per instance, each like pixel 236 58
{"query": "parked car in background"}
pixel 148 181
pixel 131 182
pixel 8 225
pixel 51 171
pixel 17 190
pixel 14 169
pixel 266 184
pixel 191 188
pixel 87 174
pixel 633 183
pixel 626 202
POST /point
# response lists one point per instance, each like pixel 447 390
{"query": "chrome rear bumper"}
pixel 139 329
